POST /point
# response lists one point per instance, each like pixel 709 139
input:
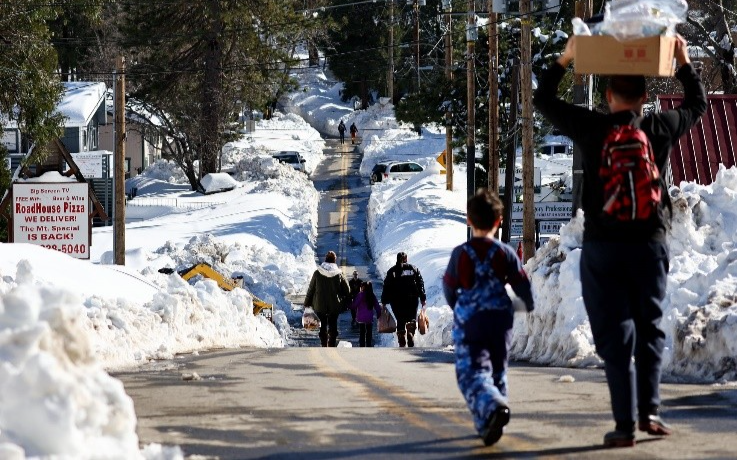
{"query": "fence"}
pixel 177 203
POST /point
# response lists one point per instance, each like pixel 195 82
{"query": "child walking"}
pixel 365 305
pixel 483 314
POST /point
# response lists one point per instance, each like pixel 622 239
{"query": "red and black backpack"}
pixel 629 175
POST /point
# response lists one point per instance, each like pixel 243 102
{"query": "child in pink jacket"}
pixel 365 305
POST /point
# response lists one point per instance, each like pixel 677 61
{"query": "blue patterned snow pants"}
pixel 482 342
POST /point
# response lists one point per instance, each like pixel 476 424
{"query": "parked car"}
pixel 294 159
pixel 394 170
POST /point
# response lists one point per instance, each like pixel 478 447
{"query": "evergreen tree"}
pixel 357 47
pixel 30 86
pixel 212 54
pixel 72 34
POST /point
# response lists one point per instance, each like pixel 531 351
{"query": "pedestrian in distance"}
pixel 328 290
pixel 355 283
pixel 365 305
pixel 483 314
pixel 403 289
pixel 624 258
pixel 341 131
pixel 354 133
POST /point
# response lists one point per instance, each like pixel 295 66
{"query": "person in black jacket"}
pixel 341 131
pixel 624 265
pixel 355 285
pixel 403 288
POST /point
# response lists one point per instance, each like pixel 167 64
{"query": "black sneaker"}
pixel 618 438
pixel 494 430
pixel 654 425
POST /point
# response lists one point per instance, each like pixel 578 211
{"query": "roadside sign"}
pixel 53 215
pixel 518 176
pixel 516 228
pixel 552 210
pixel 552 226
pixel 90 164
pixel 441 158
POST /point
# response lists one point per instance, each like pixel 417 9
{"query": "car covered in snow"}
pixel 293 159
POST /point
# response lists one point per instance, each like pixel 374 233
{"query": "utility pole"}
pixel 471 34
pixel 390 76
pixel 448 111
pixel 417 41
pixel 511 155
pixel 119 163
pixel 583 10
pixel 493 174
pixel 528 155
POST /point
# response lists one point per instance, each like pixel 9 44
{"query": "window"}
pixel 93 137
pixel 413 167
pixel 10 140
pixel 84 141
pixel 560 149
pixel 396 168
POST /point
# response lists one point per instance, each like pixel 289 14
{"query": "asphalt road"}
pixel 378 403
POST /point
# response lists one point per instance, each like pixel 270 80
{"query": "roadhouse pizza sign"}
pixel 53 215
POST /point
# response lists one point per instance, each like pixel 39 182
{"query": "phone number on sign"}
pixel 68 248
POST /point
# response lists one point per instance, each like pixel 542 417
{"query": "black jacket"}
pixel 355 285
pixel 403 286
pixel 588 130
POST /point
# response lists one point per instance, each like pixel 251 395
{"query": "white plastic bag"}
pixel 310 320
pixel 631 19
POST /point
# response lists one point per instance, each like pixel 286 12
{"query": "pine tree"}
pixel 211 54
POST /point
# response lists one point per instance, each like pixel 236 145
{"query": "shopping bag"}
pixel 423 322
pixel 387 323
pixel 310 320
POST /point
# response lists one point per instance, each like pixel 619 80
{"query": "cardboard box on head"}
pixel 605 55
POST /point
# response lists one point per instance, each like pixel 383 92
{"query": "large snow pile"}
pixel 51 382
pixel 700 307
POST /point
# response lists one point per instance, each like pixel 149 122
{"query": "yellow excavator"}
pixel 204 269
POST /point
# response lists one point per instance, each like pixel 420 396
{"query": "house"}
pixel 143 141
pixel 711 142
pixel 83 108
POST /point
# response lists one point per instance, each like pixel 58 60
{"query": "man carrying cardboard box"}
pixel 624 261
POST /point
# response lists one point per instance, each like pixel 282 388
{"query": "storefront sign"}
pixel 553 210
pixel 89 164
pixel 53 215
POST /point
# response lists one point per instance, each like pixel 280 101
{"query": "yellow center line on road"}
pixel 343 210
pixel 351 382
pixel 392 393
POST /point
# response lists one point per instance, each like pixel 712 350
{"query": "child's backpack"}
pixel 488 291
pixel 630 176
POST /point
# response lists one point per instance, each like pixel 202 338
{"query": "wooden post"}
pixel 511 155
pixel 119 161
pixel 390 73
pixel 528 154
pixel 417 42
pixel 471 105
pixel 448 113
pixel 493 173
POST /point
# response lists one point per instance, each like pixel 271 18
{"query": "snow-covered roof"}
pixel 136 111
pixel 80 101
